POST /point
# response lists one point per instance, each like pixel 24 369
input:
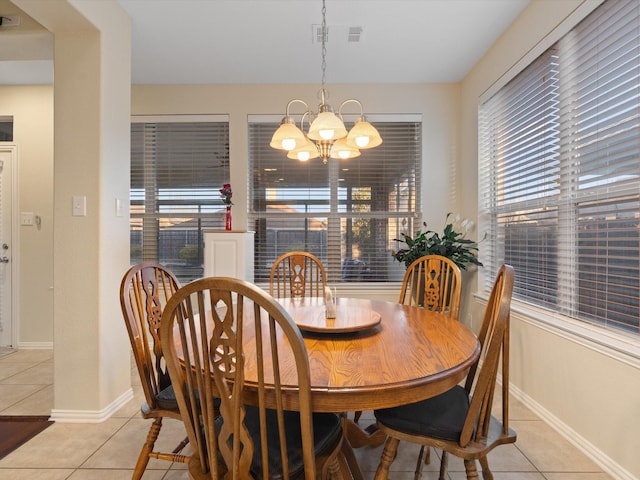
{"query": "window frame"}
pixel 334 212
pixel 171 203
pixel 621 345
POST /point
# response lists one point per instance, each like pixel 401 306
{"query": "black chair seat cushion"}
pixel 327 431
pixel 167 399
pixel 441 417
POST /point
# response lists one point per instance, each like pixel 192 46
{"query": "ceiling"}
pixel 272 41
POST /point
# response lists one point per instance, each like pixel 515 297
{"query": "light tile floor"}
pixel 108 450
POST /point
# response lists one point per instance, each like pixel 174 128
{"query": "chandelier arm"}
pixel 348 101
pixel 299 101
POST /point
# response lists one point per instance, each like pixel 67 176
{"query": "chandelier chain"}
pixel 327 135
pixel 324 44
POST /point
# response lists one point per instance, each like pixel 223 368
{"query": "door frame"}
pixel 12 148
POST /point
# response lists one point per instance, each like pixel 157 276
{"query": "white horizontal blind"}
pixel 346 212
pixel 560 172
pixel 177 169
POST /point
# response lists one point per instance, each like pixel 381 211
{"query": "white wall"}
pixel 32 111
pixel 588 391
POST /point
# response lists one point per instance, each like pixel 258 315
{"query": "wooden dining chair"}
pixel 297 274
pixel 432 282
pixel 459 421
pixel 244 347
pixel 144 291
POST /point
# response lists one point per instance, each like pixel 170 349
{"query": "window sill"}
pixel 619 346
pixel 388 291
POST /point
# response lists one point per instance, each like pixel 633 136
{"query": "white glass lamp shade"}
pixel 342 151
pixel 327 126
pixel 287 137
pixel 363 135
pixel 306 151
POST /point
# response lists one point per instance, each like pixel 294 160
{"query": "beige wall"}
pixel 32 111
pixel 588 391
pixel 91 94
pixel 437 104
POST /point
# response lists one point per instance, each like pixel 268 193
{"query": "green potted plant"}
pixel 452 243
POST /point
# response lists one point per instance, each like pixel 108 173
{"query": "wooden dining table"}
pixel 409 355
pixel 378 354
pixel 374 354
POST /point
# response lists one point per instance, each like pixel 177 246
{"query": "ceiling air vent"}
pixel 337 34
pixel 354 34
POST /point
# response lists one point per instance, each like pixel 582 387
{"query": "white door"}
pixel 7 160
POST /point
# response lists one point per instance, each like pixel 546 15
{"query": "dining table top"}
pixel 406 354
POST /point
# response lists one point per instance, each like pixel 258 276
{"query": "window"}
pixel 178 165
pixel 6 129
pixel 560 173
pixel 346 212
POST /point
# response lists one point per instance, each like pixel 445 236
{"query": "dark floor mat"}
pixel 16 430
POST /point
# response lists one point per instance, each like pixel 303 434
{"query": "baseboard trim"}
pixel 598 456
pixel 35 345
pixel 92 416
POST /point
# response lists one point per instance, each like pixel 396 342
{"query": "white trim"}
pixel 371 117
pixel 15 246
pixel 35 345
pixel 556 34
pixel 598 456
pixel 388 291
pixel 92 416
pixel 615 345
pixel 179 118
pixel 12 149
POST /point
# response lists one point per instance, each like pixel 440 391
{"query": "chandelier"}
pixel 327 136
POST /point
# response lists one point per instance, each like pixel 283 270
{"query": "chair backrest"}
pixel 432 282
pixel 494 341
pixel 251 352
pixel 144 292
pixel 297 274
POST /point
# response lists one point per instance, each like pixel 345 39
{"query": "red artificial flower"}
pixel 226 193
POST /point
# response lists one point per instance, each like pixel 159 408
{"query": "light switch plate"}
pixel 79 207
pixel 26 218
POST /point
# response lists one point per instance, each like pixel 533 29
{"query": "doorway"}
pixel 7 242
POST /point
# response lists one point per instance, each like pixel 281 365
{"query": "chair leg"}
pixel 472 469
pixel 421 461
pixel 356 416
pixel 181 446
pixel 444 465
pixel 486 472
pixel 147 448
pixel 388 455
pixel 425 454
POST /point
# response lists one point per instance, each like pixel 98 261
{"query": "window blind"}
pixel 6 128
pixel 346 212
pixel 177 169
pixel 559 176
